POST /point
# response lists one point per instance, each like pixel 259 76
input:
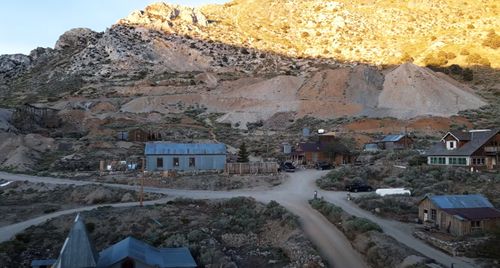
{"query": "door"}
pixel 426 215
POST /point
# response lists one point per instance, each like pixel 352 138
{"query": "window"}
pixel 192 162
pixel 450 145
pixel 159 162
pixel 176 161
pixel 478 161
pixel 438 160
pixel 433 214
pixel 462 161
pixel 475 224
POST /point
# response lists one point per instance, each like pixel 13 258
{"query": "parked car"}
pixel 323 165
pixel 287 167
pixel 358 187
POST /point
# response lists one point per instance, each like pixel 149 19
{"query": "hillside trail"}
pixel 293 195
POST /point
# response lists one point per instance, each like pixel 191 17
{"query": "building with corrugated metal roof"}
pixel 459 214
pixel 395 142
pixel 79 252
pixel 185 157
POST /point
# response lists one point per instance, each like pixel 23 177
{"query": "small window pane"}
pixel 176 161
pixel 192 162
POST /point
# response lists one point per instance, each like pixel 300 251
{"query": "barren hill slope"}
pixel 411 91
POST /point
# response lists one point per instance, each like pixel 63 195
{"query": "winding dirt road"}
pixel 293 194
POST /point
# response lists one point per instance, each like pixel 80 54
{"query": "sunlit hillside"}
pixel 378 32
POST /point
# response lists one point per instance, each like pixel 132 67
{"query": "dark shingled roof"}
pixel 460 135
pixel 474 213
pixel 477 139
pixel 336 147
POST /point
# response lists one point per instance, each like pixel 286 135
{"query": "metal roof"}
pixel 335 146
pixel 474 213
pixel 37 263
pixel 140 251
pixel 477 139
pixel 77 250
pixel 392 138
pixel 460 201
pixel 163 148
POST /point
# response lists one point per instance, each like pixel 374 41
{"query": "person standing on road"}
pixel 315 194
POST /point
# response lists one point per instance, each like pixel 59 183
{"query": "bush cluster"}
pixel 492 40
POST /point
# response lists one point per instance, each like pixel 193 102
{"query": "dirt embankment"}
pixel 24 200
pixel 212 182
pixel 238 232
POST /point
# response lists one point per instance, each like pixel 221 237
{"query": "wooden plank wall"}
pixel 252 168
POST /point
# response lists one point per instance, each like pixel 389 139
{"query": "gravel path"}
pixel 293 195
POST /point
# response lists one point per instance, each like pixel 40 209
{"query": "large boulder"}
pixel 77 38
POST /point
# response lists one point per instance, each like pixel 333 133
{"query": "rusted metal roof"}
pixel 474 213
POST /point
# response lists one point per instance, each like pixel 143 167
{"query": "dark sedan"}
pixel 358 187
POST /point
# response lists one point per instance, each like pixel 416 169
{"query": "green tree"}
pixel 243 154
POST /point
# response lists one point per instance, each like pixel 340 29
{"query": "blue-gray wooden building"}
pixel 185 156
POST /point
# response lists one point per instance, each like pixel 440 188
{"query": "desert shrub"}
pixel 467 74
pixel 475 58
pixel 361 225
pixel 439 60
pixel 196 235
pixel 401 206
pixel 492 40
pixel 417 160
pixel 90 226
pixel 176 240
pixel 490 248
pixel 455 69
pixel 330 211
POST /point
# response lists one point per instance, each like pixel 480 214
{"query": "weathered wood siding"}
pixel 252 168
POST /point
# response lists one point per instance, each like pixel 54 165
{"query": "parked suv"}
pixel 358 187
pixel 287 166
pixel 323 165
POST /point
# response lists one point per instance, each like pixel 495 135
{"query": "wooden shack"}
pixel 459 214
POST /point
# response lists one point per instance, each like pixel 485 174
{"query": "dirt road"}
pixel 293 194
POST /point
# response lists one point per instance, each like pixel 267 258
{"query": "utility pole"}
pixel 141 195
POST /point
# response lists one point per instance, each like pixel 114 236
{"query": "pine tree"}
pixel 243 154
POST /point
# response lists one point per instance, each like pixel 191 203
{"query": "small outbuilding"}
pixel 459 214
pixel 163 156
pixel 396 142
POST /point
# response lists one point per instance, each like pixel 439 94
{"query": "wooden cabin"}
pixel 459 215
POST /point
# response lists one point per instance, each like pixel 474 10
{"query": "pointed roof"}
pixel 477 139
pixel 144 253
pixel 77 251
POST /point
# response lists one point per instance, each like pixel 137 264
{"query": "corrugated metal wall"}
pixel 202 162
